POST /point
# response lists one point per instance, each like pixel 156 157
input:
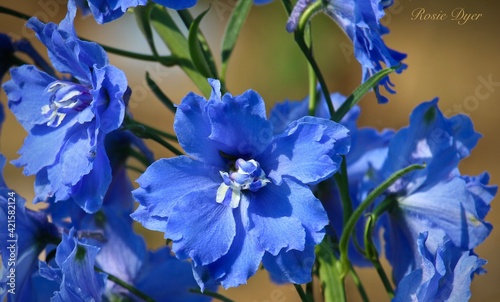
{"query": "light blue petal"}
pixel 272 221
pixel 25 92
pixel 201 228
pixel 241 261
pixel 308 151
pixel 291 266
pixel 193 128
pixel 239 124
pixel 158 194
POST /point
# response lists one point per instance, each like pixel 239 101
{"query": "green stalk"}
pixel 125 285
pixel 211 294
pixel 356 215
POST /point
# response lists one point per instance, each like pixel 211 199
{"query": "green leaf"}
pixel 159 94
pixel 356 96
pixel 142 16
pixel 196 51
pixel 330 273
pixel 177 43
pixel 233 28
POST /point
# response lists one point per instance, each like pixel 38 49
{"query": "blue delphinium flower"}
pixel 122 252
pixel 443 275
pixel 360 20
pixel 22 241
pixel 67 119
pixel 75 272
pixel 368 151
pixel 106 11
pixel 437 199
pixel 240 196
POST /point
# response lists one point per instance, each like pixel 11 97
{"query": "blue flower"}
pixel 105 11
pixel 368 152
pixel 443 275
pixel 360 20
pixel 122 252
pixel 437 199
pixel 23 240
pixel 67 119
pixel 75 272
pixel 241 194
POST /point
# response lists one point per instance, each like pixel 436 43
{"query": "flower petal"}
pixel 308 151
pixel 200 228
pixel 272 220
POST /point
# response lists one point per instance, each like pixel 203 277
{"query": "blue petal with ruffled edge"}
pixel 235 197
pixel 360 20
pixel 32 234
pixel 444 275
pixel 79 281
pixel 436 199
pixel 106 11
pixel 67 121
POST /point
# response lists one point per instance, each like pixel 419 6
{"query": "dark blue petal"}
pixel 175 282
pixel 361 22
pixel 177 4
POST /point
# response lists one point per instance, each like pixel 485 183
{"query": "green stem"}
pixel 147 132
pixel 371 250
pixel 210 294
pixel 342 181
pixel 8 11
pixel 300 291
pixel 166 60
pixel 140 171
pixel 125 285
pixel 313 91
pixel 359 285
pixel 383 276
pixel 356 215
pixel 139 156
pixel 299 39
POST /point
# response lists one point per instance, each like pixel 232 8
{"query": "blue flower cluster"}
pixel 248 192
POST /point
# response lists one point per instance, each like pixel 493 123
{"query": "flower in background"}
pixel 437 199
pixel 443 275
pixel 67 119
pixel 122 252
pixel 106 11
pixel 360 20
pixel 8 48
pixel 75 272
pixel 21 245
pixel 368 152
pixel 241 196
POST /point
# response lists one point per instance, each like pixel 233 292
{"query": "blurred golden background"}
pixel 445 59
